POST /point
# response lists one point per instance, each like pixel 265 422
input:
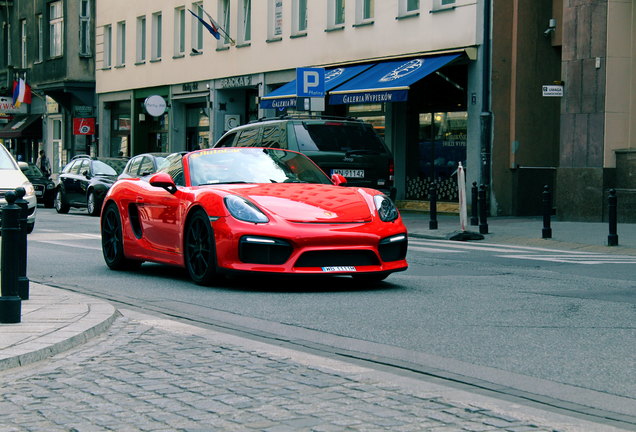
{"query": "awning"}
pixel 387 82
pixel 24 126
pixel 285 96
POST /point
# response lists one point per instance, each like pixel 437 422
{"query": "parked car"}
pixel 43 185
pixel 84 181
pixel 345 146
pixel 12 177
pixel 143 165
pixel 258 210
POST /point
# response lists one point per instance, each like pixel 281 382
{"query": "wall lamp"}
pixel 551 28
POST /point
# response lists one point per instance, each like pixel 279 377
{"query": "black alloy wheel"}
pixel 200 249
pixel 58 202
pixel 92 205
pixel 112 241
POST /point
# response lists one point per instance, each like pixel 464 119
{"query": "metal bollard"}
pixel 432 224
pixel 474 208
pixel 483 211
pixel 21 247
pixel 10 301
pixel 546 232
pixel 612 202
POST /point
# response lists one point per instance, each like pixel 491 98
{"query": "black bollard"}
pixel 546 232
pixel 483 210
pixel 474 208
pixel 612 201
pixel 21 247
pixel 10 301
pixel 432 224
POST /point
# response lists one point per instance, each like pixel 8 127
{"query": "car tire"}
pixel 92 205
pixel 59 202
pixel 199 249
pixel 113 242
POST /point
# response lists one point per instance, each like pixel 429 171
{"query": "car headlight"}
pixel 50 185
pixel 385 207
pixel 28 189
pixel 244 210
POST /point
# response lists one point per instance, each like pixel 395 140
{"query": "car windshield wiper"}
pixel 361 152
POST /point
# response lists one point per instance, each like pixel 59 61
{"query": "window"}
pixel 23 44
pixel 6 32
pixel 443 4
pixel 108 45
pixel 197 28
pixel 56 28
pixel 408 7
pixel 364 11
pixel 179 31
pixel 156 36
pixel 245 22
pixel 299 17
pixel 121 44
pixel 85 28
pixel 141 39
pixel 336 13
pixel 40 36
pixel 275 19
pixel 224 13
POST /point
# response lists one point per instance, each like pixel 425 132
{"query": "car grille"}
pixel 264 250
pixel 393 248
pixel 337 258
pixel 39 187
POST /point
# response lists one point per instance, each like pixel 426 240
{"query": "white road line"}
pixel 434 250
pixel 456 245
pixel 573 259
pixel 526 248
pixel 70 245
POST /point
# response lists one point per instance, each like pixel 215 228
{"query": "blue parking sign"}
pixel 310 82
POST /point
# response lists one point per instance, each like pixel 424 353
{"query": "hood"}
pixel 310 203
pixel 11 179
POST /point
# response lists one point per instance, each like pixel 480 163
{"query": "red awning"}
pixel 23 126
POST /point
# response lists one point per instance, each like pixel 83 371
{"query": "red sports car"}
pixel 246 209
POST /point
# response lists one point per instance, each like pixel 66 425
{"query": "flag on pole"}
pixel 21 93
pixel 212 27
pixel 221 29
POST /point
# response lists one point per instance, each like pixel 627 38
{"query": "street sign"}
pixel 310 82
pixel 553 91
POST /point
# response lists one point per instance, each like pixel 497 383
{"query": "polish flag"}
pixel 21 93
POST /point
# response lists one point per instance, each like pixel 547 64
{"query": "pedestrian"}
pixel 43 163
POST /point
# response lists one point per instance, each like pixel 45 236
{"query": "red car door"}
pixel 160 216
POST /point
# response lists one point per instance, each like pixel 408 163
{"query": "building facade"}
pixel 50 45
pixel 164 83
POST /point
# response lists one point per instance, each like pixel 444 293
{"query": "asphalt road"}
pixel 540 324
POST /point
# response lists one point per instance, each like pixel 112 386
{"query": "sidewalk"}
pixel 57 321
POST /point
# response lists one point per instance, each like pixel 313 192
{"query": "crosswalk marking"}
pixel 519 252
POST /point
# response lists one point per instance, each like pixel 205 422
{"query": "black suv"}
pixel 84 182
pixel 338 145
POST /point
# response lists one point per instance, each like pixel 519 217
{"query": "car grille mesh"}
pixel 337 258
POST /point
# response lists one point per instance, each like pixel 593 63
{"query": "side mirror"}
pixel 86 173
pixel 163 180
pixel 338 179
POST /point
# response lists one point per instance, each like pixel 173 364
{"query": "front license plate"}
pixel 39 193
pixel 349 173
pixel 339 269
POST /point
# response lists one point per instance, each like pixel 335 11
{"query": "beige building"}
pixel 164 83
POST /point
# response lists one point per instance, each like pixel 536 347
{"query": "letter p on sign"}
pixel 310 82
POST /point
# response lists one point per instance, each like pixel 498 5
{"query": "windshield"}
pixel 32 171
pixel 6 161
pixel 100 168
pixel 338 137
pixel 252 165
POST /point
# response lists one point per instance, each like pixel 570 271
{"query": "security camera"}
pixel 551 27
pixel 548 32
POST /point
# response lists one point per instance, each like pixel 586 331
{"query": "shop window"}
pixel 434 159
pixel 370 113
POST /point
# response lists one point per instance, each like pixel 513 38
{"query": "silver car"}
pixel 12 177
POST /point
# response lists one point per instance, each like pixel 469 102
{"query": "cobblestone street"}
pixel 148 377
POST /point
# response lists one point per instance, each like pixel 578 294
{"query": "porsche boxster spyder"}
pixel 218 211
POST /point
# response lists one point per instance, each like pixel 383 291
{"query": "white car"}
pixel 11 177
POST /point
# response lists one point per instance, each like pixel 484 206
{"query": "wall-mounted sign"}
pixel 234 82
pixel 84 126
pixel 189 87
pixel 82 111
pixel 7 107
pixel 155 105
pixel 52 107
pixel 552 90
